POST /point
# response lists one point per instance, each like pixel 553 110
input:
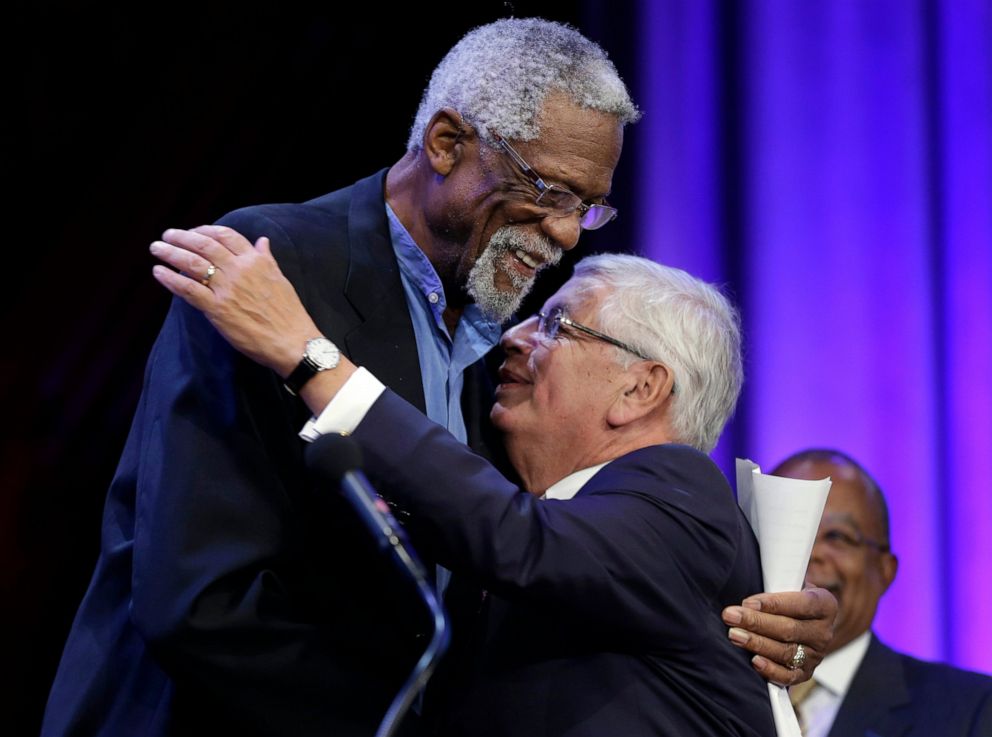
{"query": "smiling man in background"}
pixel 863 687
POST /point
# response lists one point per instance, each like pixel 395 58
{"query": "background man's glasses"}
pixel 848 541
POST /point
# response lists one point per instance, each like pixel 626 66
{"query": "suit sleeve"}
pixel 644 558
pixel 220 564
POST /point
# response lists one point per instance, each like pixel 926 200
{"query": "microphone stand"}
pixel 339 458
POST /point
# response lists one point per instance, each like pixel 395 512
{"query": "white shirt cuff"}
pixel 348 407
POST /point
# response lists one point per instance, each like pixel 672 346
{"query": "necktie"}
pixel 798 695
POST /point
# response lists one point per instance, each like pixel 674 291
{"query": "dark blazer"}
pixel 603 612
pixel 231 597
pixel 894 695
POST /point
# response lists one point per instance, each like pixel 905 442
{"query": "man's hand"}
pixel 773 626
pixel 241 291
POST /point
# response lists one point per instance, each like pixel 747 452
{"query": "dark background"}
pixel 140 120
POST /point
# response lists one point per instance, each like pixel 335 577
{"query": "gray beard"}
pixel 497 304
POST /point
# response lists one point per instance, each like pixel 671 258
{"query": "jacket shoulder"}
pixel 966 685
pixel 663 469
pixel 319 218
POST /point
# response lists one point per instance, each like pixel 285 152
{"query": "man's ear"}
pixel 890 566
pixel 444 140
pixel 647 386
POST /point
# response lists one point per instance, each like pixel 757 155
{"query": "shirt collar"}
pixel 415 264
pixel 571 484
pixel 418 269
pixel 836 671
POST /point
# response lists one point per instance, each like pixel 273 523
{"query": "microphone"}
pixel 338 458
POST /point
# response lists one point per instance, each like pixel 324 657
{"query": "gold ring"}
pixel 211 270
pixel 799 659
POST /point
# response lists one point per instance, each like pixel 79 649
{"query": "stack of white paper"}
pixel 784 514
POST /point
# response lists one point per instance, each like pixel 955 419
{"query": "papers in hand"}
pixel 784 514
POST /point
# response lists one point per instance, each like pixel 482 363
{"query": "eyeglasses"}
pixel 558 200
pixel 843 541
pixel 549 324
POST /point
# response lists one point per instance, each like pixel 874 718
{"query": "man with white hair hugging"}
pixel 607 572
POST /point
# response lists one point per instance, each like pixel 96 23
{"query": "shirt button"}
pixel 433 298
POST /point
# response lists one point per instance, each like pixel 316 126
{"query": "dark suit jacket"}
pixel 230 596
pixel 894 695
pixel 603 616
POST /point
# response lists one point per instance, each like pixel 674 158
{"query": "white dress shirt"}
pixel 348 407
pixel 833 678
pixel 571 484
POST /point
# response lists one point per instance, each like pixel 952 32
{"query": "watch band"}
pixel 304 371
pixel 320 355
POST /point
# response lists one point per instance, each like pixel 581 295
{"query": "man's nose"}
pixel 520 338
pixel 564 231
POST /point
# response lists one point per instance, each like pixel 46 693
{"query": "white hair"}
pixel 499 75
pixel 680 321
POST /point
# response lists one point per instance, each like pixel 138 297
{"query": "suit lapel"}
pixel 875 701
pixel 383 340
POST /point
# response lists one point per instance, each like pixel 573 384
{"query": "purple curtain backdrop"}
pixel 832 164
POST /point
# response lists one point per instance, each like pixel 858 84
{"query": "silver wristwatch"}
pixel 320 355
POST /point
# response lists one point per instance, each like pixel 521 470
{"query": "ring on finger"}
pixel 797 661
pixel 205 281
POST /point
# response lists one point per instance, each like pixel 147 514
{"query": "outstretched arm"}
pixel 257 310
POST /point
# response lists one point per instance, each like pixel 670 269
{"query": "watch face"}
pixel 323 353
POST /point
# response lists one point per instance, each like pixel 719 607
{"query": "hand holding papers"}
pixel 784 514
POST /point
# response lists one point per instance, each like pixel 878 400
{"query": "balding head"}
pixel 851 557
pixel 841 467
